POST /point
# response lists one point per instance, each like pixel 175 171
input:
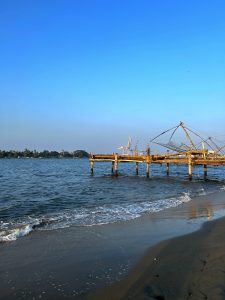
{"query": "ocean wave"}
pixel 87 217
pixel 14 234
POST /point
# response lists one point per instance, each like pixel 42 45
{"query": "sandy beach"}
pixel 137 259
pixel 187 267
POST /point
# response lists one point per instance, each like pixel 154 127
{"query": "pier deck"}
pixel 189 158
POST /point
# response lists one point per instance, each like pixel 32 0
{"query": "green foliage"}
pixel 42 154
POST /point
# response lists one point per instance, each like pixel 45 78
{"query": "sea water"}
pixel 47 194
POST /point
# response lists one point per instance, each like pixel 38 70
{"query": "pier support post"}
pixel 147 170
pixel 113 166
pixel 136 168
pixel 147 161
pixel 116 165
pixel 205 171
pixel 204 156
pixel 92 167
pixel 189 167
pixel 167 169
pixel 190 171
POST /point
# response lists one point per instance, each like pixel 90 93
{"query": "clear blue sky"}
pixel 87 74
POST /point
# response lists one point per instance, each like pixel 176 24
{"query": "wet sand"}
pixel 187 267
pixel 72 262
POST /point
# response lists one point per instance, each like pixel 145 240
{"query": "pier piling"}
pixel 116 165
pixel 205 171
pixel 92 167
pixel 147 170
pixel 189 166
pixel 167 169
pixel 147 161
pixel 136 168
pixel 113 166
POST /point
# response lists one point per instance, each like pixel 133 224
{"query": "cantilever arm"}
pixel 205 141
pixel 162 134
pixel 187 134
pixel 174 132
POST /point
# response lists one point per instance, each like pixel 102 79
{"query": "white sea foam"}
pixel 222 188
pixel 13 234
pixel 100 215
pixel 110 213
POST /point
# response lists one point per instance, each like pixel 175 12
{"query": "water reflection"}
pixel 197 211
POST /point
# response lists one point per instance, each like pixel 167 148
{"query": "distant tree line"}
pixel 42 154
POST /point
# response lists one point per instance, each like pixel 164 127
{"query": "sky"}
pixel 87 74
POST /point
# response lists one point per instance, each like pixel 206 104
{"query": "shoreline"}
pixel 71 262
pixel 186 267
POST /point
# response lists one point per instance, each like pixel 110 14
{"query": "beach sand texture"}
pixel 187 267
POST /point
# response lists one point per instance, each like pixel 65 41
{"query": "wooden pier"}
pixel 190 159
pixel 191 156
